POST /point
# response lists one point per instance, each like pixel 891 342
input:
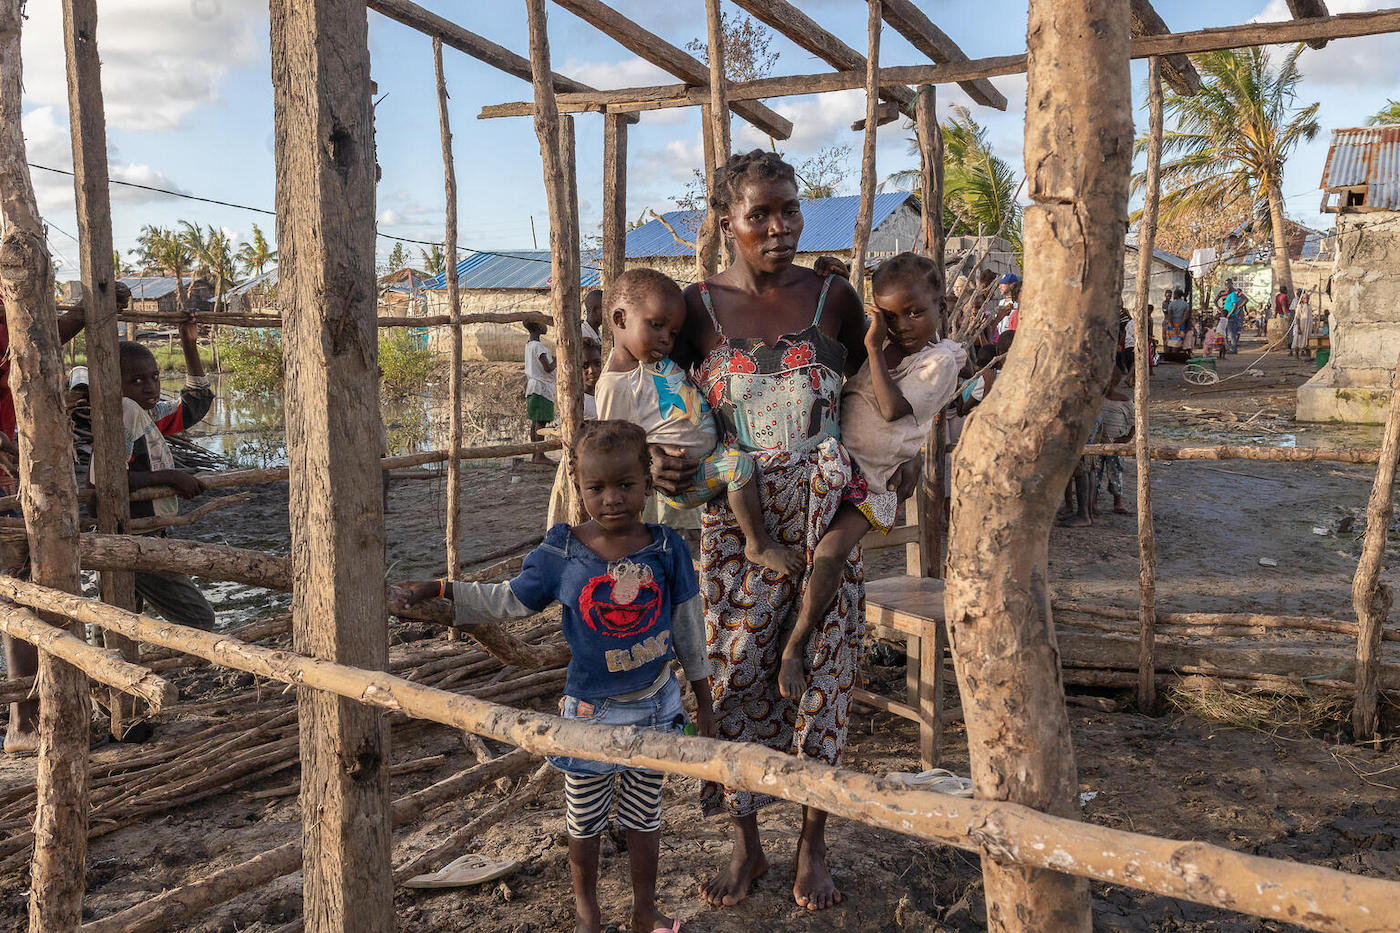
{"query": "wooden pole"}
pixel 1142 370
pixel 88 125
pixel 98 663
pixel 564 272
pixel 715 127
pixel 1241 452
pixel 1369 596
pixel 865 215
pixel 324 133
pixel 49 495
pixel 1311 896
pixel 1020 446
pixel 614 209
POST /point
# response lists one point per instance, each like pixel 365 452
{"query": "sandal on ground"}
pixel 938 780
pixel 463 872
pixel 673 928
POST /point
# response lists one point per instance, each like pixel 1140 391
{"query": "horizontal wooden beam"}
pixel 664 55
pixel 911 23
pixel 1242 452
pixel 1341 26
pixel 1177 70
pixel 276 320
pixel 1315 897
pixel 1309 9
pixel 464 40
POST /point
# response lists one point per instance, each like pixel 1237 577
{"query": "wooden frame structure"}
pixel 1034 849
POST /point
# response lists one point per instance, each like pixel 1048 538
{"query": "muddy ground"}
pixel 1282 791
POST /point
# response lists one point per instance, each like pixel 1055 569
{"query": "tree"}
pixel 1226 152
pixel 120 268
pixel 166 252
pixel 398 258
pixel 822 175
pixel 979 186
pixel 256 254
pixel 434 262
pixel 746 55
pixel 213 253
pixel 1388 114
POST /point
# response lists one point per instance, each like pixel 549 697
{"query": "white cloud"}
pixel 161 59
pixel 607 76
pixel 1367 62
pixel 47 142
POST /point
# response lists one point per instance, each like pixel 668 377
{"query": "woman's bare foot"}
pixel 1076 521
pixel 589 924
pixel 731 885
pixel 21 743
pixel 792 677
pixel 814 888
pixel 788 561
pixel 654 920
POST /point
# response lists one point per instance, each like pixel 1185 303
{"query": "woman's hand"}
pixel 876 331
pixel 672 470
pixel 905 479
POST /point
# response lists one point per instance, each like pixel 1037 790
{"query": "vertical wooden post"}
pixel 715 129
pixel 867 153
pixel 1142 354
pixel 1371 598
pixel 564 272
pixel 88 124
pixel 454 301
pixel 324 133
pixel 49 497
pixel 1020 446
pixel 614 208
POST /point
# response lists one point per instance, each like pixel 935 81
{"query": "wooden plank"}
pixel 614 203
pixel 1177 70
pixel 1017 454
pixel 865 212
pixel 464 40
pixel 1315 897
pixel 48 493
pixel 911 23
pixel 652 48
pixel 1371 598
pixel 1341 26
pixel 1241 452
pixel 325 229
pixel 91 190
pixel 807 33
pixel 564 288
pixel 885 704
pixel 906 604
pixel 1142 371
pixel 1309 9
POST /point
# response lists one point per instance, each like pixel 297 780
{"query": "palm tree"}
pixel 1388 114
pixel 214 252
pixel 433 262
pixel 256 253
pixel 166 252
pixel 1230 141
pixel 979 186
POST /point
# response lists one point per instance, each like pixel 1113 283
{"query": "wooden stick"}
pixel 1311 896
pixel 1240 452
pixel 177 555
pixel 614 209
pixel 1147 536
pixel 543 778
pixel 100 664
pixel 564 276
pixel 1223 619
pixel 324 118
pixel 274 321
pixel 1341 26
pixel 48 493
pixel 495 639
pixel 865 213
pixel 1371 598
pixel 715 127
pixel 154 523
pixel 911 23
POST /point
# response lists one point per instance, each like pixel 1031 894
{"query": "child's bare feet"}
pixel 792 677
pixel 653 921
pixel 1077 521
pixel 814 887
pixel 788 561
pixel 731 885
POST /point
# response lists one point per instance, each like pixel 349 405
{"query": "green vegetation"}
pixel 1388 114
pixel 251 360
pixel 170 358
pixel 405 361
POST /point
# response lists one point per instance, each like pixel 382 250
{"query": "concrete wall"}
pixel 1164 276
pixel 1354 385
pixel 502 342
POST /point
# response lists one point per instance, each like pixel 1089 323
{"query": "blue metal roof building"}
pixel 527 268
pixel 828 225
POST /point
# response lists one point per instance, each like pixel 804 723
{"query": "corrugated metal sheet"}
pixel 1366 156
pixel 828 224
pixel 152 287
pixel 528 268
pixel 266 280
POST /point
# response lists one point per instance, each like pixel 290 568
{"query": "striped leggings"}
pixel 589 799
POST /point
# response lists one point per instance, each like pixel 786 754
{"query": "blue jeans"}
pixel 661 711
pixel 1233 327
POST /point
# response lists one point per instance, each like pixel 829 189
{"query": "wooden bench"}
pixel 912 608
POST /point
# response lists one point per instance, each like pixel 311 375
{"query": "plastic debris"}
pixel 1267 562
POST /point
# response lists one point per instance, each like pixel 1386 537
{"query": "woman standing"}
pixel 770 343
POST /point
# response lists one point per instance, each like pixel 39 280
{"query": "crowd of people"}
pixel 1217 329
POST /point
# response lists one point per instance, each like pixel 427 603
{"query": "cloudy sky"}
pixel 189 107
